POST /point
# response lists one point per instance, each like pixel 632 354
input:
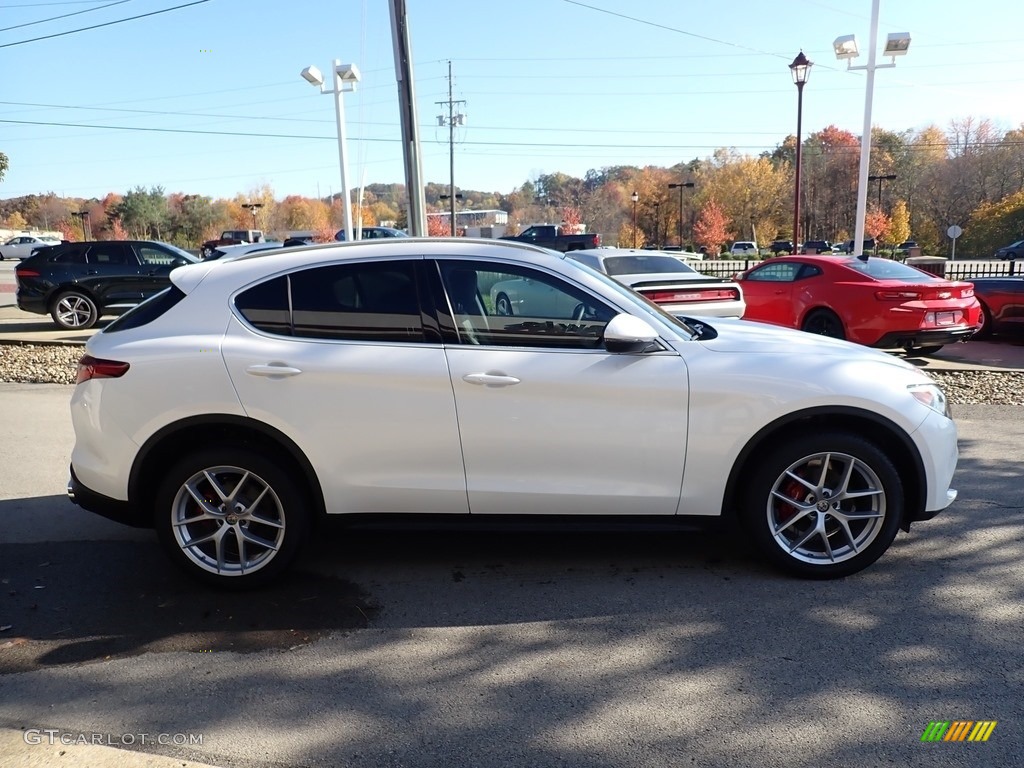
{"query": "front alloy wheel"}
pixel 230 517
pixel 825 506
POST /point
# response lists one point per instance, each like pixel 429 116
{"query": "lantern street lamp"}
pixel 252 208
pixel 845 47
pixel 680 186
pixel 634 197
pixel 801 70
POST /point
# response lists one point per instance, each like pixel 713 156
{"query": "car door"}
pixel 768 291
pixel 156 264
pixel 551 422
pixel 338 358
pixel 112 274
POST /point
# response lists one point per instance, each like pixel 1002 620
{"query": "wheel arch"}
pixel 173 440
pixel 870 426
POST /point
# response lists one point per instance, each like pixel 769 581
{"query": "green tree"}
pixel 144 214
pixel 4 165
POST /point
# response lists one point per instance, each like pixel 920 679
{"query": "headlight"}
pixel 932 396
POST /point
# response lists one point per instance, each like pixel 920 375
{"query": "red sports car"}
pixel 876 302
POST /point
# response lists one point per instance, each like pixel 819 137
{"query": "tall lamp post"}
pixel 634 197
pixel 681 186
pixel 896 44
pixel 252 208
pixel 801 70
pixel 83 217
pixel 657 221
pixel 345 77
pixel 880 179
pixel 453 230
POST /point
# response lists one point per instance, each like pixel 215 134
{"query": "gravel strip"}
pixel 30 364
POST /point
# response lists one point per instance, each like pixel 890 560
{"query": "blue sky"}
pixel 549 85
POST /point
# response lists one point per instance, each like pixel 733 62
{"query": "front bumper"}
pixel 113 509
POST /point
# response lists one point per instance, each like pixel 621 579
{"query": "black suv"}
pixel 782 246
pixel 816 246
pixel 77 283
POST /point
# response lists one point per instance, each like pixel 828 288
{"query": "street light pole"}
pixel 801 70
pixel 453 119
pixel 680 186
pixel 657 222
pixel 453 231
pixel 880 179
pixel 252 208
pixel 344 79
pixel 846 48
pixel 635 197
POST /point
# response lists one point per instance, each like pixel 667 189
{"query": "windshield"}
pixel 179 252
pixel 636 299
pixel 642 264
pixel 884 269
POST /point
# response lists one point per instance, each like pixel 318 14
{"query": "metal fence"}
pixel 951 270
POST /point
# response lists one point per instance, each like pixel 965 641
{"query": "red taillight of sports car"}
pixel 684 296
pixel 90 367
pixel 898 295
pixel 967 292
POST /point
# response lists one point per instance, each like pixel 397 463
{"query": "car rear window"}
pixel 884 269
pixel 639 264
pixel 147 311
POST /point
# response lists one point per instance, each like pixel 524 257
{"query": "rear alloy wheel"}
pixel 824 322
pixel 824 506
pixel 985 323
pixel 230 517
pixel 74 311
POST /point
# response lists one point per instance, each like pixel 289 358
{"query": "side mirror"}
pixel 627 334
pixel 177 261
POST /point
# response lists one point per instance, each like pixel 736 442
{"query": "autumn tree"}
pixel 753 193
pixel 876 224
pixel 572 220
pixel 16 221
pixel 899 223
pixel 711 229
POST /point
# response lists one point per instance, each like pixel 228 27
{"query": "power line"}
pixel 105 24
pixel 64 16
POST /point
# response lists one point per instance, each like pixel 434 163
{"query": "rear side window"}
pixel 72 254
pixel 110 253
pixel 375 301
pixel 147 311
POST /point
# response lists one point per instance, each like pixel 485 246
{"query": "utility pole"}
pixel 451 121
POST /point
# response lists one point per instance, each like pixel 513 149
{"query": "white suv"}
pixel 259 394
pixel 744 248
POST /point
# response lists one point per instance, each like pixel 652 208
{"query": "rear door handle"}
pixel 490 379
pixel 272 370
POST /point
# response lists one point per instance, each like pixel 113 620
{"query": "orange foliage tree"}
pixel 876 224
pixel 711 228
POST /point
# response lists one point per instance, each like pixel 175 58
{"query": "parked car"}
pixel 231 237
pixel 816 246
pixel 666 279
pixel 22 246
pixel 906 245
pixel 1002 305
pixel 553 237
pixel 875 302
pixel 1011 251
pixel 782 246
pixel 225 251
pixel 869 246
pixel 373 378
pixel 744 248
pixel 77 283
pixel 373 233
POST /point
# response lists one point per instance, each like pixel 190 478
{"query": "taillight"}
pixel 967 292
pixel 897 295
pixel 26 272
pixel 682 296
pixel 90 367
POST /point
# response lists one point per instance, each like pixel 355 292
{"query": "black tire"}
pixel 795 505
pixel 74 311
pixel 924 350
pixel 264 526
pixel 502 305
pixel 985 329
pixel 824 322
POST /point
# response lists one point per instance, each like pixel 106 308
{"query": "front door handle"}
pixel 490 379
pixel 272 370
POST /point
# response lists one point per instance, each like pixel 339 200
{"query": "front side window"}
pixel 513 305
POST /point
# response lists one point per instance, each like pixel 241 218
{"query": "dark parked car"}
pixel 373 233
pixel 782 246
pixel 1002 305
pixel 847 247
pixel 1011 251
pixel 77 283
pixel 816 246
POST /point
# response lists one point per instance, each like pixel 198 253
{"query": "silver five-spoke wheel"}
pixel 823 505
